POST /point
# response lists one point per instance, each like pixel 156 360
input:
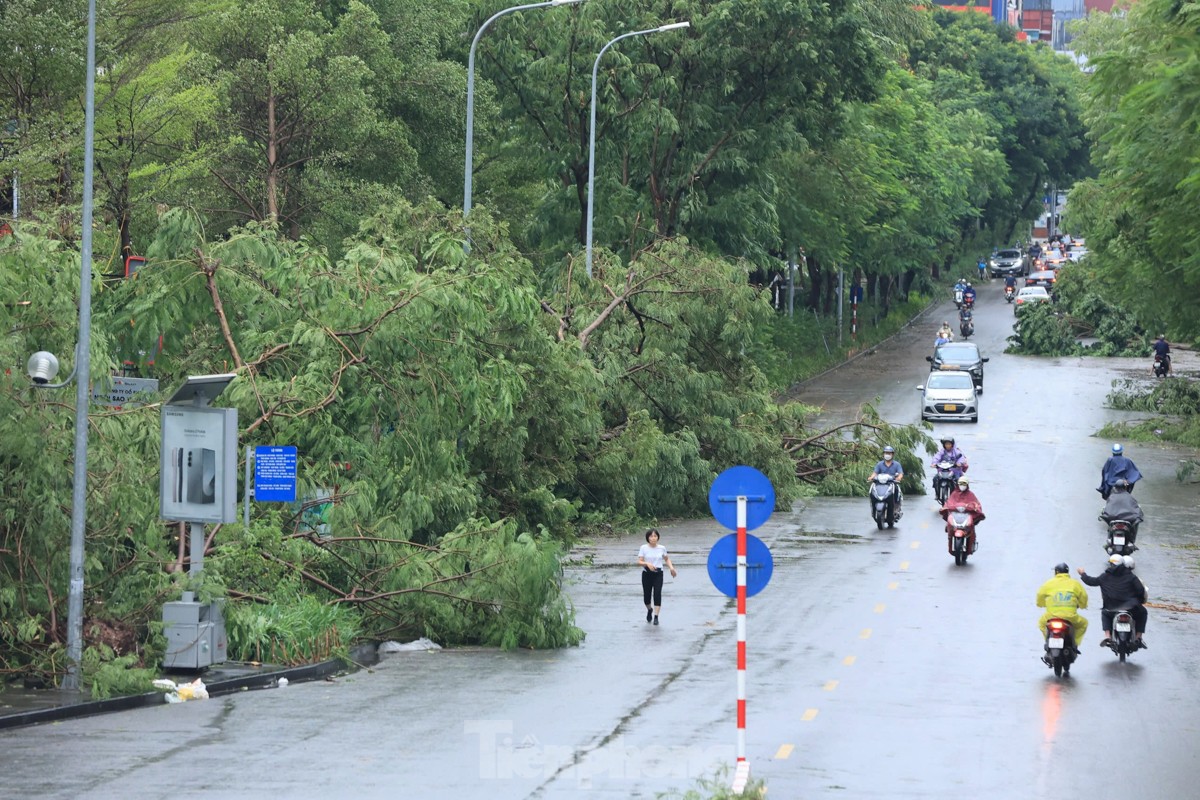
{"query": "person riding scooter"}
pixel 969 296
pixel 1119 588
pixel 963 497
pixel 1062 596
pixel 1122 506
pixel 1117 466
pixel 951 453
pixel 1162 351
pixel 891 467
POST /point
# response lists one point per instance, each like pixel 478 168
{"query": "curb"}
pixel 798 384
pixel 361 655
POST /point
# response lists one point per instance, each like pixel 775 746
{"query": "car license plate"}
pixel 949 366
pixel 1056 642
pixel 1123 626
pixel 1120 540
pixel 950 407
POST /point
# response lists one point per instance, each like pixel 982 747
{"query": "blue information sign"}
pixel 747 481
pixel 275 474
pixel 722 565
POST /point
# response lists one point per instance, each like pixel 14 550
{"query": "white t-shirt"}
pixel 653 555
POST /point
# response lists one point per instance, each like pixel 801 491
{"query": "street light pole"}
pixel 471 91
pixel 592 134
pixel 82 378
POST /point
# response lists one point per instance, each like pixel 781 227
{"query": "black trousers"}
pixel 652 582
pixel 1137 612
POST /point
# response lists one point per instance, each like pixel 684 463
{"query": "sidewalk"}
pixel 32 706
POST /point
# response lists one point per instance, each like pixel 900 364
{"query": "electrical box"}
pixel 195 635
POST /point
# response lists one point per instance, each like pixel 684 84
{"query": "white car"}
pixel 949 395
pixel 1030 295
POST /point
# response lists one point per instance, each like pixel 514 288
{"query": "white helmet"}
pixel 1128 561
pixel 1116 558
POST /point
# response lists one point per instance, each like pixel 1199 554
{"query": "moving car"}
pixel 1045 277
pixel 962 356
pixel 949 395
pixel 1008 262
pixel 1030 295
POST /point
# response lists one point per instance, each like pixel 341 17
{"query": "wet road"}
pixel 877 669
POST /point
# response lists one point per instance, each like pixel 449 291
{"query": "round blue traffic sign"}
pixel 722 565
pixel 745 482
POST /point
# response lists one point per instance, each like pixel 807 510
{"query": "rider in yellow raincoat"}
pixel 1062 596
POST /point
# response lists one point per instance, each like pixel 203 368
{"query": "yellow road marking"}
pixel 903 566
pixel 784 751
pixel 894 585
pixel 879 608
pixel 849 660
pixel 866 633
pixel 925 524
pixel 915 545
pixel 809 715
pixel 830 685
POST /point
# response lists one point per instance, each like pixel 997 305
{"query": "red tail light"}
pixel 1057 625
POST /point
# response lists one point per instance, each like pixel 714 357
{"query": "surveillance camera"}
pixel 42 367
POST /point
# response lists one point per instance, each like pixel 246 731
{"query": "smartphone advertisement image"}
pixel 199 464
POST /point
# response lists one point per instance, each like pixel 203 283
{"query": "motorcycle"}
pixel 1010 293
pixel 883 495
pixel 1060 646
pixel 1124 637
pixel 1121 537
pixel 943 482
pixel 960 534
pixel 958 298
pixel 968 301
pixel 966 323
pixel 1162 365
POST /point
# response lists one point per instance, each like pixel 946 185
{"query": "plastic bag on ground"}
pixel 417 645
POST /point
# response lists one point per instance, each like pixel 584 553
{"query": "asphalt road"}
pixel 877 669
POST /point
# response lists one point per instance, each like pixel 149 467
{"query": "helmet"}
pixel 1061 567
pixel 962 481
pixel 1128 561
pixel 1120 484
pixel 1117 449
pixel 1162 336
pixel 1116 559
pixel 889 449
pixel 949 439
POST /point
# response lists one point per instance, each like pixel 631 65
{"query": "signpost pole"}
pixel 246 492
pixel 196 547
pixel 741 628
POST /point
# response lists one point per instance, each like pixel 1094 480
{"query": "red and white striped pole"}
pixel 741 630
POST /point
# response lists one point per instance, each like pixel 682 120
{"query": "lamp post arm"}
pixel 591 204
pixel 470 156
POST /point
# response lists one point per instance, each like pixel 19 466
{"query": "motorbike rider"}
pixel 960 286
pixel 1010 282
pixel 1119 588
pixel 1122 506
pixel 969 295
pixel 963 497
pixel 890 466
pixel 951 453
pixel 966 321
pixel 1062 596
pixel 1117 466
pixel 1163 351
pixel 945 331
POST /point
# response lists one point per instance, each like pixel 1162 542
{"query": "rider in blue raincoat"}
pixel 1117 466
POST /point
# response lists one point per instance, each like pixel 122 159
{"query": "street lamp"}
pixel 43 367
pixel 592 135
pixel 471 91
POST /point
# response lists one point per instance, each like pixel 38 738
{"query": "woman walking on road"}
pixel 652 556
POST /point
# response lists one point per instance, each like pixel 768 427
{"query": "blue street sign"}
pixel 275 474
pixel 757 488
pixel 722 565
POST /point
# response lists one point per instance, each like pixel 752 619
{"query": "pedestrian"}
pixel 652 557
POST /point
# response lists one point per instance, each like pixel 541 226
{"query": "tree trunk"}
pixel 814 282
pixel 272 161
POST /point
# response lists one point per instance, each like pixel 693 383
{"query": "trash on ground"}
pixel 181 692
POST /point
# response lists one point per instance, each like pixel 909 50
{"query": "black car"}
pixel 1008 262
pixel 959 355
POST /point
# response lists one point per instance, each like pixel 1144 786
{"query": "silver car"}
pixel 949 395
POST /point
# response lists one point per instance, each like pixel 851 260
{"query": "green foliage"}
pixel 1170 395
pixel 1042 330
pixel 106 674
pixel 1079 310
pixel 290 630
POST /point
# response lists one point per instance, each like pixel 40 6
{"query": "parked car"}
pixel 1030 295
pixel 959 356
pixel 1045 278
pixel 1008 262
pixel 949 396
